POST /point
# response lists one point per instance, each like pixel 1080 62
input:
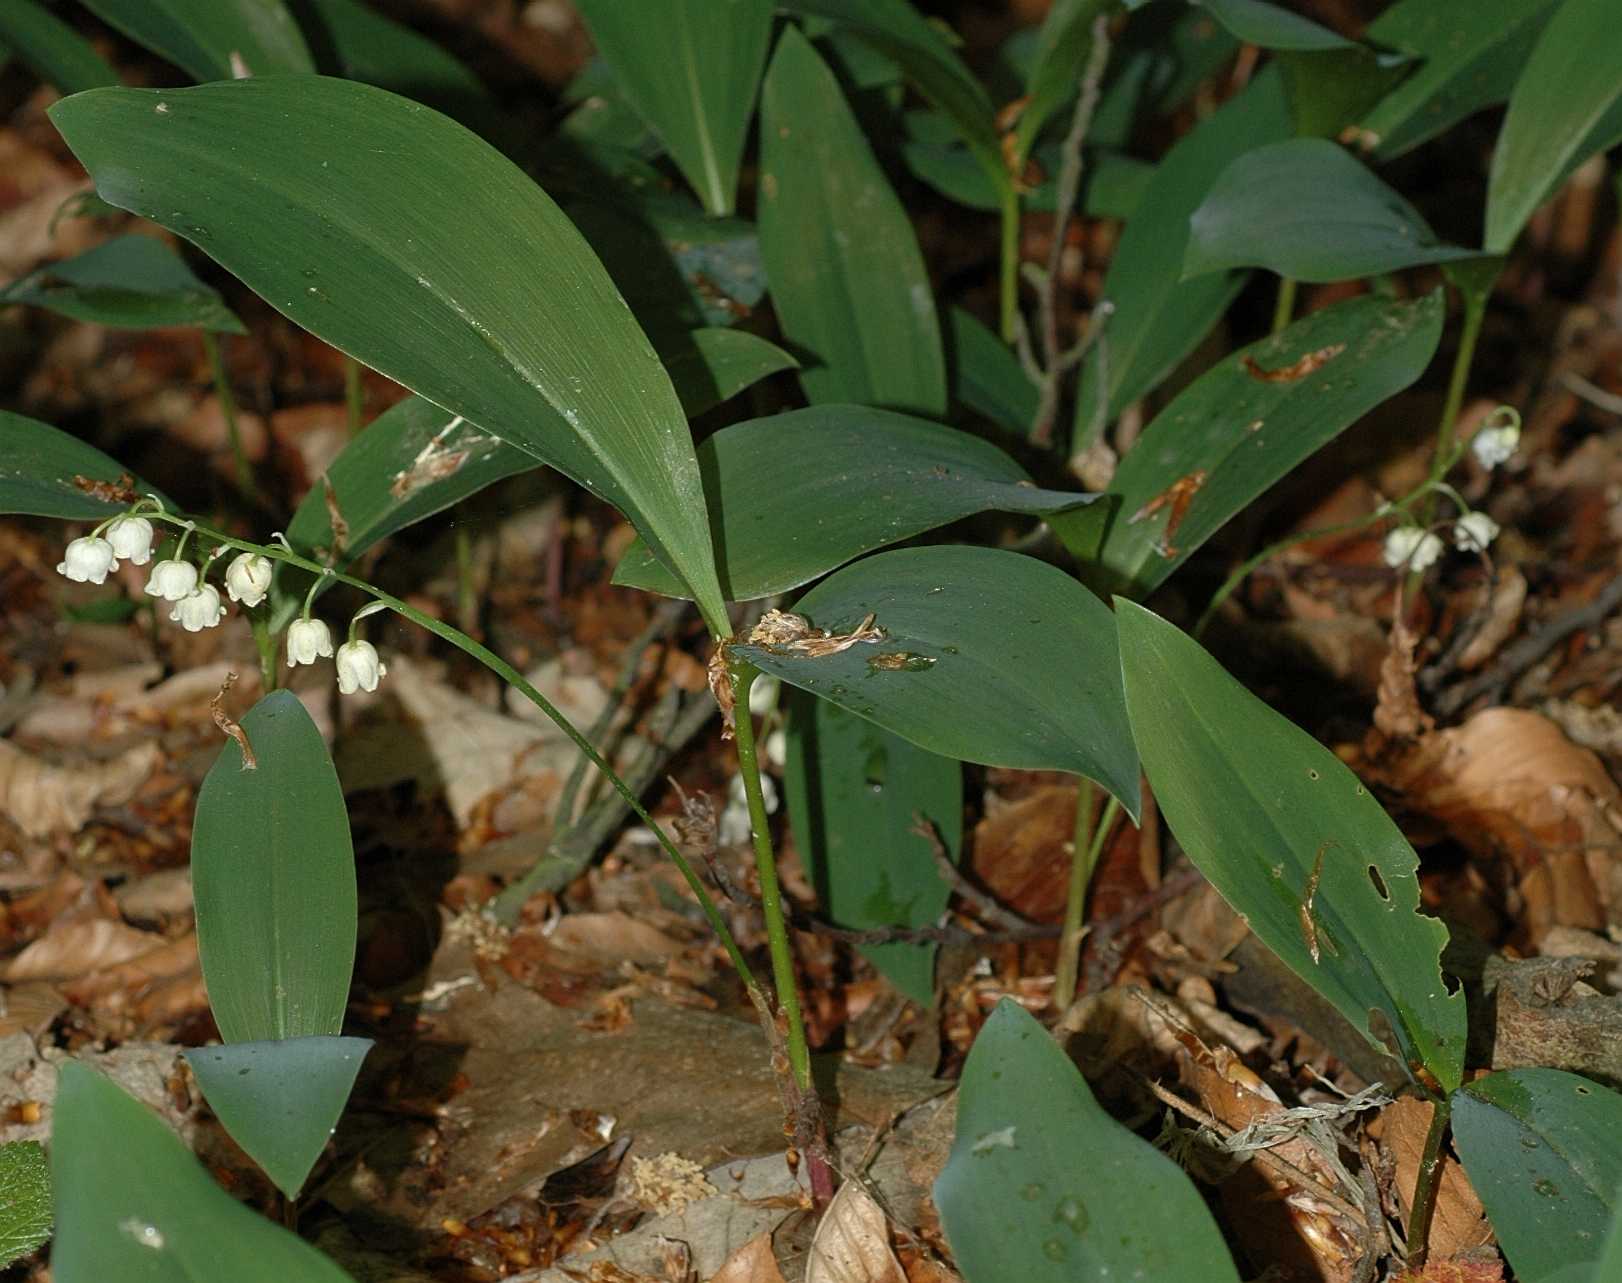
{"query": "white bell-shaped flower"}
pixel 1411 547
pixel 199 610
pixel 1474 531
pixel 359 668
pixel 172 580
pixel 307 641
pixel 1494 445
pixel 247 578
pixel 87 560
pixel 131 538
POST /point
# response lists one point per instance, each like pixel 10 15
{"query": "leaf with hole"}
pixel 51 49
pixel 796 495
pixel 45 472
pixel 361 236
pixel 1284 831
pixel 856 795
pixel 847 279
pixel 129 282
pixel 143 1210
pixel 1243 425
pixel 273 877
pixel 1025 647
pixel 1042 1185
pixel 216 40
pixel 1305 208
pixel 281 1099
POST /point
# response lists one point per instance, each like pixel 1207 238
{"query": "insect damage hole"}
pixel 1379 883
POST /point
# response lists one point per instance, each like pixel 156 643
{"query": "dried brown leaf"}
pixel 77 948
pixel 754 1262
pixel 852 1244
pixel 1460 1221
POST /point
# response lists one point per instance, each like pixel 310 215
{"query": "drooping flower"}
pixel 131 538
pixel 1493 445
pixel 307 641
pixel 247 578
pixel 199 610
pixel 359 668
pixel 87 560
pixel 1474 531
pixel 172 580
pixel 1411 547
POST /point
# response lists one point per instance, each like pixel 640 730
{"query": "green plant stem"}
pixel 1008 268
pixel 228 408
pixel 771 894
pixel 1475 311
pixel 1427 1187
pixel 354 395
pixel 1087 847
pixel 502 669
pixel 1284 307
pixel 265 641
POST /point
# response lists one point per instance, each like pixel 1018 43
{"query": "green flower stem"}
pixel 1447 447
pixel 228 408
pixel 265 640
pixel 1429 1184
pixel 771 894
pixel 502 669
pixel 1284 307
pixel 1008 268
pixel 354 395
pixel 1086 848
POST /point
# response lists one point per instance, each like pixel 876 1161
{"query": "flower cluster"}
pixel 1409 547
pixel 197 604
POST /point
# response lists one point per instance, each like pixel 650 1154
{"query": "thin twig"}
pixel 983 904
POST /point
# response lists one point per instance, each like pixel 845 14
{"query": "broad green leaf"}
pixel 847 279
pixel 1159 318
pixel 1304 208
pixel 986 656
pixel 854 793
pixel 213 39
pixel 1465 57
pixel 130 282
pixel 1330 89
pixel 1043 1186
pixel 280 1100
pixel 361 236
pixel 364 45
pixel 132 1204
pixel 1569 83
pixel 44 472
pixel 1257 22
pixel 896 30
pixel 795 495
pixel 1609 1266
pixel 1243 425
pixel 415 459
pixel 54 51
pixel 25 1199
pixel 986 376
pixel 1062 50
pixel 1287 835
pixel 273 877
pixel 1543 1149
pixel 691 69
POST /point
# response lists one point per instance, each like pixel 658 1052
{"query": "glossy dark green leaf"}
pixel 273 877
pixel 366 46
pixel 1043 1186
pixel 130 282
pixel 132 1204
pixel 361 236
pixel 847 279
pixel 1543 1149
pixel 1293 842
pixel 986 376
pixel 280 1100
pixel 900 33
pixel 1025 647
pixel 1305 208
pixel 1465 57
pixel 1234 431
pixel 1609 1266
pixel 795 495
pixel 1062 49
pixel 854 793
pixel 52 50
pixel 1159 318
pixel 691 68
pixel 213 39
pixel 25 1199
pixel 1569 83
pixel 1271 26
pixel 712 365
pixel 44 472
